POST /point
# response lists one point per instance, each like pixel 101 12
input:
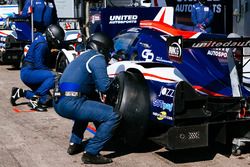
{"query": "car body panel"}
pixel 206 70
pixel 196 63
pixel 112 20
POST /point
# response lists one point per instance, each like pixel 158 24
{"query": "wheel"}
pixel 62 63
pixel 236 150
pixel 130 96
pixel 18 64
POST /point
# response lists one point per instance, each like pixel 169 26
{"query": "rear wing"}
pixel 218 43
pixel 177 44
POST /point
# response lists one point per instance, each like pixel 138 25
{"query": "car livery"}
pixel 194 92
pixel 112 20
pixel 178 88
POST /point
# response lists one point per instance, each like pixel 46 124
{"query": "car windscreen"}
pixel 124 41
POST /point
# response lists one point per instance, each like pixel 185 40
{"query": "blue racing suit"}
pixel 201 16
pixel 34 72
pixel 44 12
pixel 86 74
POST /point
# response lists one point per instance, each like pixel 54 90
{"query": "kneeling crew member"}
pixel 35 72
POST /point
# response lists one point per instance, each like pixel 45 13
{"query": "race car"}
pixel 178 88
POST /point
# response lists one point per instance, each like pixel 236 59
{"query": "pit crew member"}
pixel 76 100
pixel 44 13
pixel 35 72
pixel 202 17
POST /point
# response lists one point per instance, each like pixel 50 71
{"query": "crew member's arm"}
pixel 98 67
pixel 209 19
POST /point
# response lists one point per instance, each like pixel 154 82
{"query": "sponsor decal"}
pixel 94 18
pixel 162 115
pixel 145 45
pixel 222 44
pixel 148 55
pixel 123 19
pixel 166 92
pixel 175 49
pixel 160 59
pixel 161 104
pixel 219 53
pixel 197 0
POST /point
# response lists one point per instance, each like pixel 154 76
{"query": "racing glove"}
pixel 201 26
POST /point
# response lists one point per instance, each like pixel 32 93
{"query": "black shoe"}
pixel 35 105
pixel 75 148
pixel 95 159
pixel 16 93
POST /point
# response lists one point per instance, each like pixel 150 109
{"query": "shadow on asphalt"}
pixel 9 66
pixel 185 156
pixel 13 69
pixel 121 149
pixel 196 154
pixel 177 156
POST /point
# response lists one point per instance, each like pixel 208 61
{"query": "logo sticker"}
pixel 162 115
pixel 166 92
pixel 123 19
pixel 175 49
pixel 161 104
pixel 148 55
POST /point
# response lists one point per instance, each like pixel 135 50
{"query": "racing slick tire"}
pixel 63 62
pixel 129 95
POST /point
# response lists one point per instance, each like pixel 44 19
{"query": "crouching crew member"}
pixel 89 74
pixel 35 72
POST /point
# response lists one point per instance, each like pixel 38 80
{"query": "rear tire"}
pixel 130 97
pixel 18 64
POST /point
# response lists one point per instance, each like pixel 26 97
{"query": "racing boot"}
pixel 95 159
pixel 75 148
pixel 16 93
pixel 35 105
